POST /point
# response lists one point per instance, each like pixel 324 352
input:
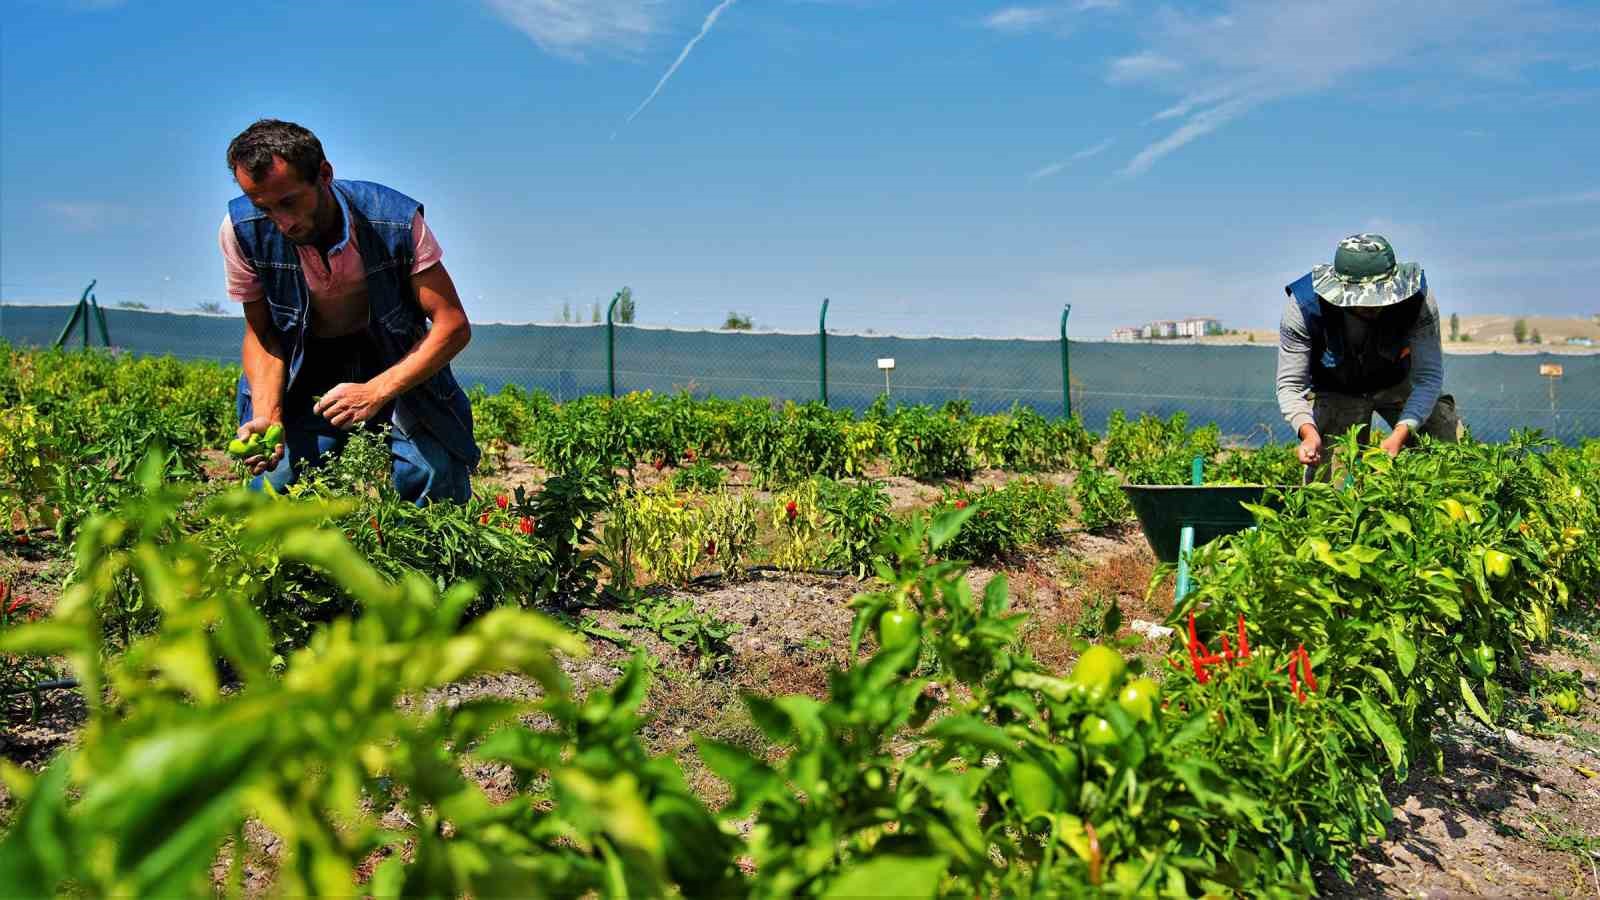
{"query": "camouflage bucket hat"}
pixel 1364 273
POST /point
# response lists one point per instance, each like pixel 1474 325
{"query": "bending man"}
pixel 1358 337
pixel 340 282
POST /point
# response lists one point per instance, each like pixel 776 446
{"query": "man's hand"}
pixel 258 464
pixel 1394 442
pixel 1310 450
pixel 349 404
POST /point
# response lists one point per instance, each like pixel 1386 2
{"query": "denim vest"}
pixel 379 221
pixel 1383 360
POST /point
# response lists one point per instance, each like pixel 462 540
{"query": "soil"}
pixel 1511 814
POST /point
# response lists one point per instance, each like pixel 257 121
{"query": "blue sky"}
pixel 933 166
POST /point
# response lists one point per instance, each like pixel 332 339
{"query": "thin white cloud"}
pixel 1196 126
pixel 571 27
pixel 1056 168
pixel 1018 19
pixel 1223 66
pixel 705 28
pixel 1142 67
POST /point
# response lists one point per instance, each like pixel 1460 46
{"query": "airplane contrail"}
pixel 705 27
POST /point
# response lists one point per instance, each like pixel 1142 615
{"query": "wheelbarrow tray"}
pixel 1213 511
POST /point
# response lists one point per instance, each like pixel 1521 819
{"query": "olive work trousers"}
pixel 1334 414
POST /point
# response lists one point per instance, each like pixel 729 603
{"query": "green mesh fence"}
pixel 1229 385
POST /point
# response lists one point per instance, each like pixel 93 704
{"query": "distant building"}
pixel 1164 329
pixel 1199 326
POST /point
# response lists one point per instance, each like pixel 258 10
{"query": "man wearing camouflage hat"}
pixel 1358 337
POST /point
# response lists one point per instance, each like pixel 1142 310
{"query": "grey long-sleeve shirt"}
pixel 1294 367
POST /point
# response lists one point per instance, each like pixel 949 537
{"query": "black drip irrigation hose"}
pixel 58 684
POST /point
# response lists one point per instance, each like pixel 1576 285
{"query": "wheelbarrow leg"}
pixel 1185 546
pixel 1186 536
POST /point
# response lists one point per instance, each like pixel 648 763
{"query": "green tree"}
pixel 132 304
pixel 625 308
pixel 1455 327
pixel 737 322
pixel 210 308
pixel 1519 330
pixel 566 311
pixel 594 312
pixel 1537 338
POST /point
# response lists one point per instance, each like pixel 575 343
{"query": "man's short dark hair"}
pixel 255 147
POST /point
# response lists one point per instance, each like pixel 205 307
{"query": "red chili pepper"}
pixel 791 510
pixel 1244 642
pixel 16 601
pixel 660 464
pixel 1305 668
pixel 375 529
pixel 689 454
pixel 1227 651
pixel 1193 638
pixel 961 504
pixel 502 501
pixel 711 548
pixel 1294 678
pixel 525 526
pixel 483 519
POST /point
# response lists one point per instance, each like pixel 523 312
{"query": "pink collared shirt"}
pixel 338 287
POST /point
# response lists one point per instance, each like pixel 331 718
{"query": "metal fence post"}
pixel 1066 377
pixel 611 345
pixel 82 309
pixel 822 351
pixel 100 319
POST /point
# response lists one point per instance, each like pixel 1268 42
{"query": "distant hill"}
pixel 1500 329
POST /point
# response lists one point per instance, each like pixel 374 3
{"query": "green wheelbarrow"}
pixel 1178 518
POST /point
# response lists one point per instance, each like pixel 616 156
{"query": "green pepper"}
pixel 1566 701
pixel 898 627
pixel 1497 564
pixel 1097 733
pixel 274 435
pixel 238 449
pixel 1486 660
pixel 1098 673
pixel 1138 699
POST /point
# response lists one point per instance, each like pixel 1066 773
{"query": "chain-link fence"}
pixel 1229 385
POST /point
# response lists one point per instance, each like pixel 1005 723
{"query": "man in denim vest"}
pixel 1358 337
pixel 351 318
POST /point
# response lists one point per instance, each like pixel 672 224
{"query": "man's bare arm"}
pixel 267 371
pixel 350 404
